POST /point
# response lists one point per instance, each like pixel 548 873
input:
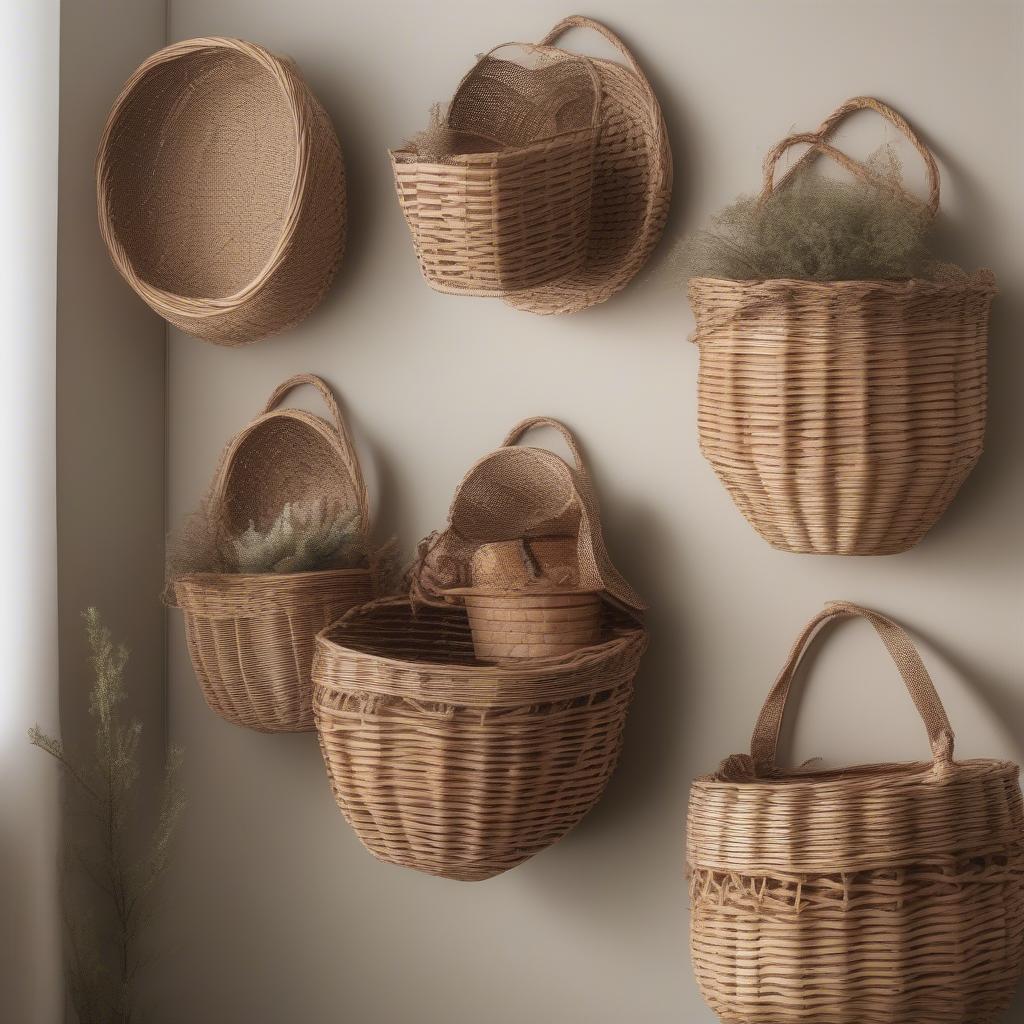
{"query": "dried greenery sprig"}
pixel 104 952
pixel 820 229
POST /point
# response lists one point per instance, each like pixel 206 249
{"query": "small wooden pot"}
pixel 530 623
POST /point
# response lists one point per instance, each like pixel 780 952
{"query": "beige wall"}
pixel 278 912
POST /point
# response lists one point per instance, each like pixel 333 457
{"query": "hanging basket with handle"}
pixel 251 637
pixel 879 894
pixel 468 728
pixel 842 416
pixel 558 186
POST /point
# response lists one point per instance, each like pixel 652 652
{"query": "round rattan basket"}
pixel 458 768
pixel 879 894
pixel 842 416
pixel 251 637
pixel 220 190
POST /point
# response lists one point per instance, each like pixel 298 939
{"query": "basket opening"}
pixel 201 163
pixel 279 461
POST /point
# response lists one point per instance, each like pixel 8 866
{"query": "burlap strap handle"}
pixel 347 447
pixel 515 435
pixel 764 743
pixel 818 143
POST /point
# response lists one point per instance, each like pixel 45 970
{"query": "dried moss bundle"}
pixel 820 229
pixel 302 538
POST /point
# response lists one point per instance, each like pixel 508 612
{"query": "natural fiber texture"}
pixel 507 206
pixel 842 416
pixel 573 195
pixel 821 229
pixel 221 190
pixel 251 637
pixel 518 493
pixel 460 769
pixel 632 184
pixel 880 894
pixel 531 623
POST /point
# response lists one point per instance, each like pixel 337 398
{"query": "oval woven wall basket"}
pixel 220 188
pixel 555 182
pixel 459 768
pixel 251 637
pixel 880 894
pixel 450 747
pixel 842 416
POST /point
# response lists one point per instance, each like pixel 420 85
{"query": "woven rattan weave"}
pixel 251 637
pixel 221 190
pixel 880 894
pixel 583 208
pixel 449 766
pixel 842 416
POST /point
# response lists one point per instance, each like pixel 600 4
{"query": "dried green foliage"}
pixel 104 942
pixel 301 539
pixel 304 537
pixel 820 229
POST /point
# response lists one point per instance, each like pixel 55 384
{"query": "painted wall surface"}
pixel 274 909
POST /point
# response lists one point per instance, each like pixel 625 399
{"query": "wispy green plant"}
pixel 820 229
pixel 301 539
pixel 104 867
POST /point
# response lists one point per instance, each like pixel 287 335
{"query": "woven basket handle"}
pixel 818 142
pixel 579 21
pixel 515 435
pixel 764 743
pixel 348 449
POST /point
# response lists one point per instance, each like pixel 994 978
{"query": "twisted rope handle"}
pixel 348 450
pixel 764 742
pixel 818 142
pixel 515 435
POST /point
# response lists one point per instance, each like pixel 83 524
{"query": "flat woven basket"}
pixel 220 188
pixel 842 416
pixel 457 768
pixel 251 637
pixel 880 894
pixel 514 210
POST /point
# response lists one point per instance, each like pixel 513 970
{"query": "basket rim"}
pixel 980 281
pixel 491 156
pixel 228 578
pixel 859 776
pixel 582 658
pixel 292 87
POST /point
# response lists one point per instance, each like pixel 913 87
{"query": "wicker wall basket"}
pixel 458 768
pixel 562 189
pixel 221 190
pixel 880 894
pixel 842 416
pixel 251 637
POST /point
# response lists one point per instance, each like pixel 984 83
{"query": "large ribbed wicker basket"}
pixel 511 208
pixel 842 416
pixel 457 768
pixel 880 894
pixel 252 637
pixel 220 188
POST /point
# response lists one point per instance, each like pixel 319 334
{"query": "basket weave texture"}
pixel 572 195
pixel 457 768
pixel 251 637
pixel 221 190
pixel 880 894
pixel 842 416
pixel 495 222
